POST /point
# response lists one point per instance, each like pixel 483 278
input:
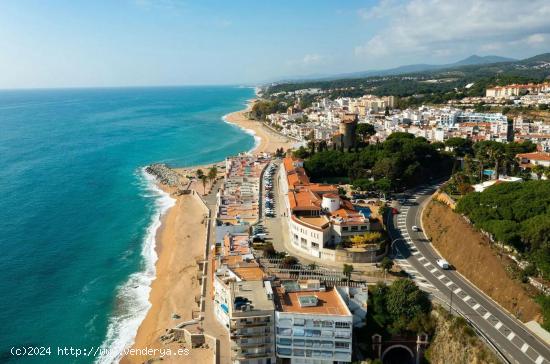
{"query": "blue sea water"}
pixel 77 214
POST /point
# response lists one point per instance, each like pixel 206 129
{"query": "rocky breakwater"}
pixel 164 174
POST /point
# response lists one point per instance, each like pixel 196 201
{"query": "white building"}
pixel 313 324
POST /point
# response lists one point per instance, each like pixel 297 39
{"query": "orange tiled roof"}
pixel 536 156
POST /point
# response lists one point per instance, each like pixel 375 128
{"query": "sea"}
pixel 78 214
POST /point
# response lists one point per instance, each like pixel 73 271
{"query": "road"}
pixel 415 254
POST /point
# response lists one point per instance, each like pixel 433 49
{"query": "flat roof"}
pixel 329 302
pixel 254 293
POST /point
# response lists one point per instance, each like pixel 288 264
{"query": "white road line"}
pixel 498 325
pixel 457 291
pixel 441 276
pixel 415 253
pixel 433 270
pixel 421 259
pixel 467 298
pixel 426 264
pixel 539 360
pixel 524 347
pixel 511 336
pixel 487 315
pixel 476 306
pixel 449 283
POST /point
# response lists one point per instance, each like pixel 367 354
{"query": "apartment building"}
pixel 313 324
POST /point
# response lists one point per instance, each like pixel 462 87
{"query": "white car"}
pixel 415 228
pixel 443 264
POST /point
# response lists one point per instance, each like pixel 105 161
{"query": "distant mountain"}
pixel 412 68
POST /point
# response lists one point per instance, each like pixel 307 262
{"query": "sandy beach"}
pixel 180 245
pixel 270 140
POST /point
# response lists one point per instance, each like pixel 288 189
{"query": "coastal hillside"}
pixel 454 342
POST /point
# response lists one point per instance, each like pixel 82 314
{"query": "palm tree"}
pixel 199 173
pixel 212 174
pixel 204 179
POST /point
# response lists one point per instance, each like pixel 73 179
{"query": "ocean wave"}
pixel 257 139
pixel 133 296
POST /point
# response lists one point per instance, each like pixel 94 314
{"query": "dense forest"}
pixel 402 160
pixel 516 214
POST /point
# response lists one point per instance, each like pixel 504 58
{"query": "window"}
pixel 315 245
pixel 299 322
pixel 342 334
pixel 284 331
pixel 327 324
pixel 284 341
pixel 342 325
pixel 341 344
pixel 298 342
pixel 299 332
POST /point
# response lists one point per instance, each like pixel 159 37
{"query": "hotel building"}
pixel 318 218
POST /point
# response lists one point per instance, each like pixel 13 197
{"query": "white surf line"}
pixel 511 336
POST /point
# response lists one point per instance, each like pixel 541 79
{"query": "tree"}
pixel 365 130
pixel 538 170
pixel 212 174
pixel 405 303
pixel 199 173
pixel 386 264
pixel 204 180
pixel 347 270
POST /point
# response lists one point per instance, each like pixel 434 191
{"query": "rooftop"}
pixel 250 292
pixel 327 302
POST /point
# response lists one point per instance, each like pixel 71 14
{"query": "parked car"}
pixel 415 228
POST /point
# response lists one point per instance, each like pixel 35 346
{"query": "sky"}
pixel 103 43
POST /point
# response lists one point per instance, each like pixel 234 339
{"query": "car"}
pixel 443 264
pixel 415 228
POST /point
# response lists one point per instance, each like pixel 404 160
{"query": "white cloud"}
pixel 448 28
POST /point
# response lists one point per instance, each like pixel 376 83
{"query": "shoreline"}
pixel 179 243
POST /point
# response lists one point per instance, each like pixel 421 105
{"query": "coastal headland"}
pixel 180 246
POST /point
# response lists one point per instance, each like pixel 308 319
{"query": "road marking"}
pixel 426 264
pixel 498 325
pixel 421 259
pixel 441 277
pixel 415 253
pixel 539 360
pixel 476 306
pixel 467 298
pixel 511 336
pixel 524 347
pixel 449 283
pixel 433 270
pixel 457 291
pixel 487 315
